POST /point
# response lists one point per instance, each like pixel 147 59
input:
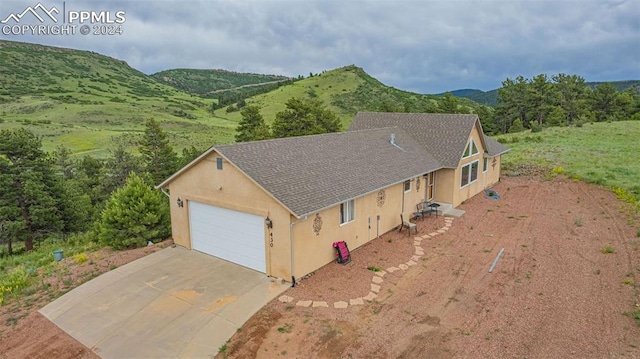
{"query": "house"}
pixel 276 206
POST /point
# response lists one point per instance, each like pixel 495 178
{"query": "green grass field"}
pixel 602 153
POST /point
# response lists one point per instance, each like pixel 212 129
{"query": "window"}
pixel 431 180
pixel 471 149
pixel 219 163
pixel 485 164
pixel 469 173
pixel 407 185
pixel 347 211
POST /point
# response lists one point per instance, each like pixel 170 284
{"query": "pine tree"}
pixel 302 118
pixel 252 126
pixel 516 126
pixel 572 95
pixel 157 154
pixel 117 169
pixel 513 102
pixel 188 155
pixel 28 198
pixel 134 215
pixel 449 103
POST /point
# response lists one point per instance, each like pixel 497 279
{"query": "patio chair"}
pixel 407 223
pixel 422 209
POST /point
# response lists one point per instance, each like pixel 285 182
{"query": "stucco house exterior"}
pixel 276 206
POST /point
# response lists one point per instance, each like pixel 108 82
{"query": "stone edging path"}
pixel 378 277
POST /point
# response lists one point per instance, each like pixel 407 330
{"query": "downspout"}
pixel 165 192
pixel 293 276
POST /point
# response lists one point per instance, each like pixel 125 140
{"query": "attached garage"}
pixel 234 236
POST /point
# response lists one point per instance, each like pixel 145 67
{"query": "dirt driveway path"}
pixel 555 293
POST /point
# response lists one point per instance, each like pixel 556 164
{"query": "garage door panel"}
pixel 231 235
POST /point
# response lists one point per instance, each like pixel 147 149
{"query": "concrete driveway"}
pixel 174 303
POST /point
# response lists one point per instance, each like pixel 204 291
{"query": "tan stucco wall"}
pixel 230 188
pixel 444 185
pixel 315 250
pixel 485 179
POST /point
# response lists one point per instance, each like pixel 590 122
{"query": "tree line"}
pixel 562 100
pixel 55 195
pixel 300 117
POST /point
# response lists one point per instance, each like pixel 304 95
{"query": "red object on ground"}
pixel 342 251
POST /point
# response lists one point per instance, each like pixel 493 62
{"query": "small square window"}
pixel 219 163
pixel 347 211
pixel 407 185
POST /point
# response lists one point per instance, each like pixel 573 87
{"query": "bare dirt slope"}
pixel 553 294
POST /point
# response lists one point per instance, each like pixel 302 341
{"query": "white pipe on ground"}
pixel 495 262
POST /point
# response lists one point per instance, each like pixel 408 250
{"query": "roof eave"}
pixel 499 153
pixel 206 153
pixel 367 193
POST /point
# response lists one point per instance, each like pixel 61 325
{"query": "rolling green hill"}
pixel 86 101
pixel 346 91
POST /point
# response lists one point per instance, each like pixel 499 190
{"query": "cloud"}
pixel 424 46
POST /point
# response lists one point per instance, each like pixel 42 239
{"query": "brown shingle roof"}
pixel 443 135
pixel 310 173
pixel 494 148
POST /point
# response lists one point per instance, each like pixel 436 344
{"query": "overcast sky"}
pixel 422 46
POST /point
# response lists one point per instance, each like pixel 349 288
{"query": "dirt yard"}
pixel 553 294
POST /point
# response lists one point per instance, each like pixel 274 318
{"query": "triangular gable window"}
pixel 471 149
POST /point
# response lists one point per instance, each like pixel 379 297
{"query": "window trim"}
pixel 485 164
pixel 404 186
pixel 469 147
pixel 469 175
pixel 351 209
pixel 430 185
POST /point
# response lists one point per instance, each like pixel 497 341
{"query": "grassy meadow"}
pixel 604 153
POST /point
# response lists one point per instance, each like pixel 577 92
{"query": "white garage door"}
pixel 231 235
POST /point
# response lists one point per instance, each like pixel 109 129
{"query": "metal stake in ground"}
pixel 495 261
